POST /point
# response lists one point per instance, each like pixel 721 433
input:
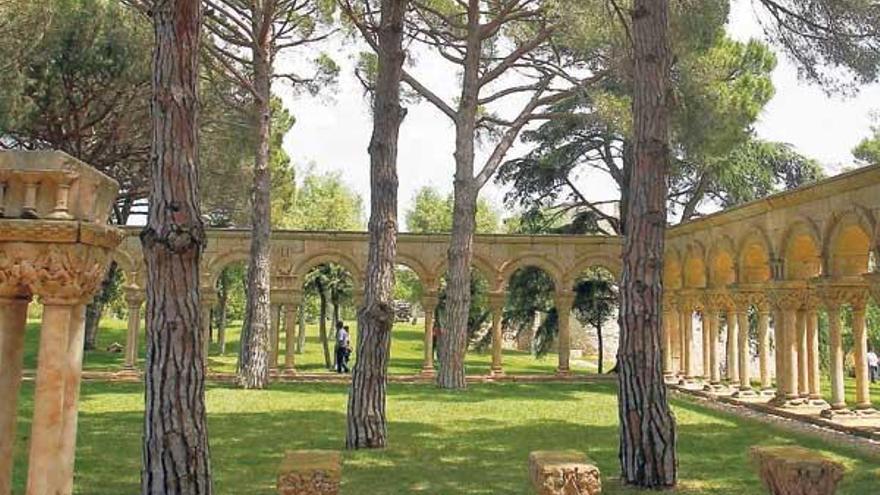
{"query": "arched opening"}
pixel 849 251
pixel 672 279
pixel 530 322
pixel 754 261
pixel 595 332
pixel 227 315
pixel 802 256
pixel 721 268
pixel 329 306
pixel 408 336
pixel 695 268
pixel 105 338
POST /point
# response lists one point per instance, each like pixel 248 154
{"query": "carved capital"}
pixel 787 299
pixel 833 294
pixel 54 272
pixel 564 300
pixel 430 300
pixel 718 301
pixel 497 300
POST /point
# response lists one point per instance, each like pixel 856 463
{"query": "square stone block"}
pixel 563 472
pixel 797 471
pixel 310 472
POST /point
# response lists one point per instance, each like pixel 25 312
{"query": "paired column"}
pixel 733 348
pixel 496 305
pixel 838 398
pixel 814 380
pixel 803 363
pixel 706 326
pixel 564 302
pixel 764 347
pixel 134 298
pixel 53 431
pixel 714 362
pixel 686 324
pixel 429 305
pixel 860 348
pixel 290 314
pixel 789 302
pixel 13 319
pixel 274 331
pixel 742 343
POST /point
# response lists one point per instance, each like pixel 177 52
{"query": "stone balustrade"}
pixel 55 245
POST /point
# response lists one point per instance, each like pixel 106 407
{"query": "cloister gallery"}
pixel 776 262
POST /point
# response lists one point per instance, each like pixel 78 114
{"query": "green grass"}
pixel 407 351
pixel 475 442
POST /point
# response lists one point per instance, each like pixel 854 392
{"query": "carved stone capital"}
pixel 497 300
pixel 835 293
pixel 718 300
pixel 564 300
pixel 70 273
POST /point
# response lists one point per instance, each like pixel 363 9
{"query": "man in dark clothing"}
pixel 341 348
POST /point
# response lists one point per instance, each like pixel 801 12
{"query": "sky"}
pixel 332 131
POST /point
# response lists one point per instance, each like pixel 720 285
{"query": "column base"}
pixel 690 383
pixel 428 372
pixel 747 393
pixel 717 388
pixel 867 412
pixel 788 402
pixel 496 372
pixel 671 379
pixel 288 371
pixel 768 392
pixel 837 413
pixel 817 402
pixel 563 372
pixel 127 372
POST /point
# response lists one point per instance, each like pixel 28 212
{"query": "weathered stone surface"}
pixel 310 472
pixel 563 472
pixel 797 471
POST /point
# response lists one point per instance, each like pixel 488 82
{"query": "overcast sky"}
pixel 333 132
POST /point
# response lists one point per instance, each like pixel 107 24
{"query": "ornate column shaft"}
pixel 13 319
pixel 290 314
pixel 860 348
pixel 564 301
pixel 764 347
pixel 733 348
pixel 803 363
pixel 813 355
pixel 135 299
pixel 274 333
pixel 429 304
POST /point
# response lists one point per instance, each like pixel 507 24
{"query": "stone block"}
pixel 310 472
pixel 563 472
pixel 797 471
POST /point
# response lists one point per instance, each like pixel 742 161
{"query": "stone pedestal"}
pixel 797 471
pixel 565 472
pixel 310 472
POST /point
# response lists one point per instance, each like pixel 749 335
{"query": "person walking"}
pixel 873 365
pixel 341 348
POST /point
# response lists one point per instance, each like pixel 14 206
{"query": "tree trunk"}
pixel 253 366
pixel 453 340
pixel 95 310
pixel 322 328
pixel 366 401
pixel 175 453
pixel 647 427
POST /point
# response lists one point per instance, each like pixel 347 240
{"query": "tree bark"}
pixel 253 366
pixel 175 453
pixel 366 401
pixel 647 427
pixel 453 340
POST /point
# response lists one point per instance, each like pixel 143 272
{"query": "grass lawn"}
pixel 407 352
pixel 474 442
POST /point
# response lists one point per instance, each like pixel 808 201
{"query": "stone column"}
pixel 779 362
pixel 13 319
pixel 134 298
pixel 743 354
pixel 733 349
pixel 813 358
pixel 835 345
pixel 496 305
pixel 686 319
pixel 208 299
pixel 290 309
pixel 860 349
pixel 274 333
pixel 429 305
pixel 669 320
pixel 803 363
pixel 764 347
pixel 789 301
pixel 714 362
pixel 564 301
pixel 47 459
pixel 73 375
pixel 706 326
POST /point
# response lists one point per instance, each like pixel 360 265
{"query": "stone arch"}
pixel 510 267
pixel 848 243
pixel 486 269
pixel 754 255
pixel 612 265
pixel 801 250
pixel 672 269
pixel 695 275
pixel 425 276
pixel 216 265
pixel 303 267
pixel 721 263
